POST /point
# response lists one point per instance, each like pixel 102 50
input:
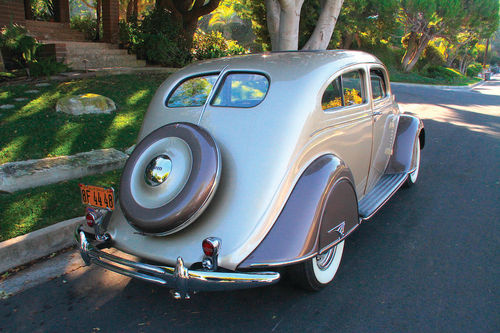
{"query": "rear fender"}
pixel 321 209
pixel 410 129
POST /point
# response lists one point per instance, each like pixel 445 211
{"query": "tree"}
pixel 187 12
pixel 425 20
pixel 283 18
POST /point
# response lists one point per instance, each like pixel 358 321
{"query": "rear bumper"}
pixel 179 278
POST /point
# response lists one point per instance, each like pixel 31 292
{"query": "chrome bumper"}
pixel 179 278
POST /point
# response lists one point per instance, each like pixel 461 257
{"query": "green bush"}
pixel 18 48
pixel 433 57
pixel 46 67
pixel 85 24
pixel 214 45
pixel 158 39
pixel 474 69
pixel 440 72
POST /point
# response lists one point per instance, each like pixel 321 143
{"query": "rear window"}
pixel 192 92
pixel 242 90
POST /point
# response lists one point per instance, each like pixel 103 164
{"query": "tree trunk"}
pixel 324 28
pixel 189 28
pixel 346 44
pixel 411 56
pixel 273 22
pixel 289 25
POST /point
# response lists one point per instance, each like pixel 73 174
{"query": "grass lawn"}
pixel 32 209
pixel 33 129
pixel 413 77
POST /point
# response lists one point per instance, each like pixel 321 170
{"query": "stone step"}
pixel 122 60
pixel 15 176
pixel 94 65
pixel 78 45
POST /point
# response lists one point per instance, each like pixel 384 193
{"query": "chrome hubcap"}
pixel 323 261
pixel 158 170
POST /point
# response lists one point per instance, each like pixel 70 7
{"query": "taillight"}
pixel 90 217
pixel 208 248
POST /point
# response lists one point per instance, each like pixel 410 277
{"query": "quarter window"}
pixel 243 90
pixel 345 90
pixel 192 92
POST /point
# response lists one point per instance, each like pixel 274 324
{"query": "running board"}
pixel 378 196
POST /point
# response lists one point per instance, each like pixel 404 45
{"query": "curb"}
pixel 472 85
pixel 37 244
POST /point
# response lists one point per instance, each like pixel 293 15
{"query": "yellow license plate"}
pixel 97 196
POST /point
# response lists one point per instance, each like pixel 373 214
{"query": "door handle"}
pixel 377 113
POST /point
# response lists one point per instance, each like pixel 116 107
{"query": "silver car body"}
pixel 265 149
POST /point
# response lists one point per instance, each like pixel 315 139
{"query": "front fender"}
pixel 410 129
pixel 320 210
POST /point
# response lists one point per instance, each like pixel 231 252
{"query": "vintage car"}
pixel 252 166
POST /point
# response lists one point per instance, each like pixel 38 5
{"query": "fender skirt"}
pixel 320 212
pixel 410 129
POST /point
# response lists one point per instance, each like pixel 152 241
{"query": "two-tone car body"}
pixel 248 164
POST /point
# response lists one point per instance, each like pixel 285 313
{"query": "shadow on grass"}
pixel 35 130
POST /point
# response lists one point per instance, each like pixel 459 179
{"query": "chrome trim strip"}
pixel 181 279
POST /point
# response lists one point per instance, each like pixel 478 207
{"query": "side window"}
pixel 243 90
pixel 345 90
pixel 192 92
pixel 378 84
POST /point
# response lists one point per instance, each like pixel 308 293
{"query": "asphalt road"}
pixel 427 262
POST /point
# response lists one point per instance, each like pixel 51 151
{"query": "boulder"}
pixel 85 104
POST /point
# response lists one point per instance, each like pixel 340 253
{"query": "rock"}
pixel 32 91
pixel 42 84
pixel 20 99
pixel 84 104
pixel 15 176
pixel 7 106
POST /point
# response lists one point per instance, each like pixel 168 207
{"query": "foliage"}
pixel 17 47
pixel 255 10
pixel 184 14
pixel 46 67
pixel 214 45
pixel 158 39
pixel 43 10
pixel 446 73
pixel 474 69
pixel 86 24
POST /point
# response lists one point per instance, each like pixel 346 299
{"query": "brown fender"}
pixel 322 200
pixel 410 129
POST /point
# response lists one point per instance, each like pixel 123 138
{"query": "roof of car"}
pixel 285 63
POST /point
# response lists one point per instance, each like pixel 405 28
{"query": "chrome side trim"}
pixel 180 279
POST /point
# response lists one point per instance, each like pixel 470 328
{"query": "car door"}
pixel 384 118
pixel 348 121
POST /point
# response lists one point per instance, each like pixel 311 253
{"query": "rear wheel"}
pixel 314 274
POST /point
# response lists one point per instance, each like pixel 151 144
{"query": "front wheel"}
pixel 412 177
pixel 314 274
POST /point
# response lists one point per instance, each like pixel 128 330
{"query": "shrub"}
pixel 85 24
pixel 158 39
pixel 474 69
pixel 214 45
pixel 46 67
pixel 17 47
pixel 440 72
pixel 432 56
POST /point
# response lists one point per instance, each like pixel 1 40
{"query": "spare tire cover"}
pixel 169 179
